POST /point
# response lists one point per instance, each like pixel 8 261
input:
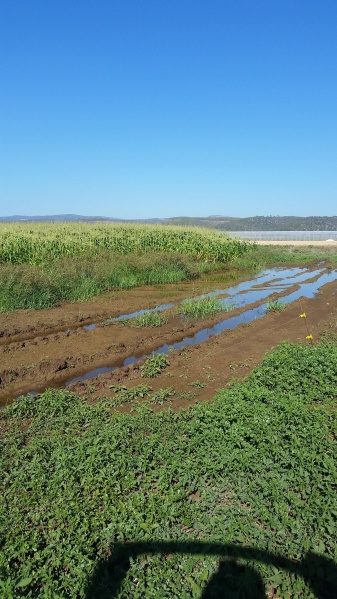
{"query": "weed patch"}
pixel 124 395
pixel 154 365
pixel 209 306
pixel 150 319
pixel 275 306
pixel 95 504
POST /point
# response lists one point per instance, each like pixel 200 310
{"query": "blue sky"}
pixel 158 108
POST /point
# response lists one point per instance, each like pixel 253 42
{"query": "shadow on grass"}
pixel 231 580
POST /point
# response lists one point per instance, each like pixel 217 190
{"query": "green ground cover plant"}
pixel 124 395
pixel 161 396
pixel 102 505
pixel 154 365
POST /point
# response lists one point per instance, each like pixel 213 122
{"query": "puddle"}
pixel 306 289
pixel 282 277
pixel 257 293
pixel 141 312
pixel 277 274
pixel 248 292
pixel 89 327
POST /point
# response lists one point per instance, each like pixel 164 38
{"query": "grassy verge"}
pixel 102 505
pixel 260 256
pixel 81 277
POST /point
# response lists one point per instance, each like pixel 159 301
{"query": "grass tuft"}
pixel 150 319
pixel 275 306
pixel 203 308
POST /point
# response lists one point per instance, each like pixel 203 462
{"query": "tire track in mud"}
pixel 55 372
pixel 24 325
pixel 230 322
pixel 49 360
pixel 201 371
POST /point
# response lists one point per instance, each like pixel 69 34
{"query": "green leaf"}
pixel 24 582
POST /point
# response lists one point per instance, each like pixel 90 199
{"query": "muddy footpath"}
pixel 90 348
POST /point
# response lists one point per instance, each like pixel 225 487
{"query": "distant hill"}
pixel 221 223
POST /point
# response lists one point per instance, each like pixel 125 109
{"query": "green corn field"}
pixel 40 243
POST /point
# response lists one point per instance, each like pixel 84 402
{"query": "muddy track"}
pixel 50 348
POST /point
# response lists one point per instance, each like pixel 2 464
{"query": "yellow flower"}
pixel 303 315
pixel 309 337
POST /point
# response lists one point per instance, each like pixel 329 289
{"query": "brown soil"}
pixel 50 347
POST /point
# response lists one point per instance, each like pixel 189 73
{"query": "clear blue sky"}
pixel 157 108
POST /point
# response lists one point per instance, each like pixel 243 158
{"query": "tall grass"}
pixel 79 278
pixel 43 243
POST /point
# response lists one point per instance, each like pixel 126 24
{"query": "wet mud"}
pixel 90 348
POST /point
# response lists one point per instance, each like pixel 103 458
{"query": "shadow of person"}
pixel 321 574
pixel 232 579
pixel 108 577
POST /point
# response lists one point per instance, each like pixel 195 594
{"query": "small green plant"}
pixel 197 384
pixel 150 319
pixel 161 396
pixel 275 306
pixel 154 365
pixel 186 395
pixel 124 321
pixel 124 395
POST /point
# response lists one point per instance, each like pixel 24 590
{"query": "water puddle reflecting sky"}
pixel 282 278
pixel 292 277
